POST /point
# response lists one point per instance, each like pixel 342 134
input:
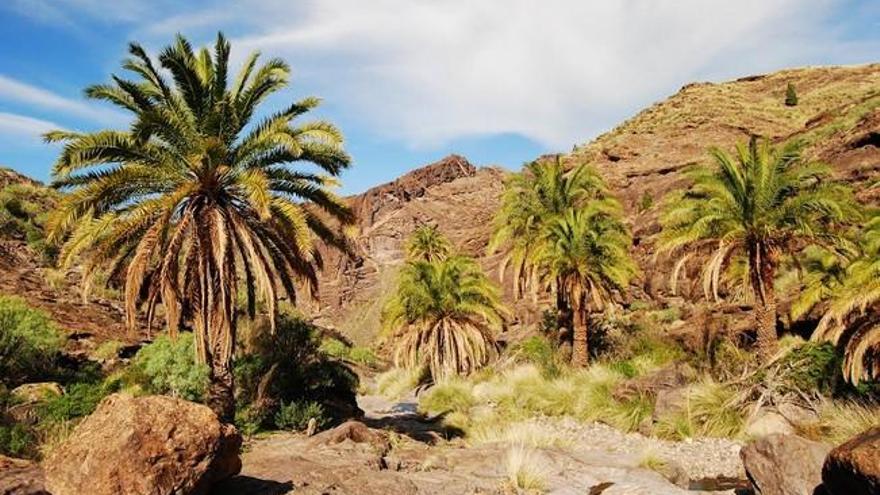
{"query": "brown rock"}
pixel 784 465
pixel 146 445
pixel 355 431
pixel 768 423
pixel 20 477
pixel 854 467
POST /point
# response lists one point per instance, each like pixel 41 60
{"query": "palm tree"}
pixel 760 204
pixel 428 244
pixel 443 315
pixel 195 195
pixel 532 200
pixel 584 254
pixel 852 318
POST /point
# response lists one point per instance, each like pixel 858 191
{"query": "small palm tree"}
pixel 852 318
pixel 584 254
pixel 760 204
pixel 427 244
pixel 532 200
pixel 194 195
pixel 443 315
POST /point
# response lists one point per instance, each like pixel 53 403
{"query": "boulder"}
pixel 768 422
pixel 669 401
pixel 670 377
pixel 784 465
pixel 20 477
pixel 37 392
pixel 138 445
pixel 854 467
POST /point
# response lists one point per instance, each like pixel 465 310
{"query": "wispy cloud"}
pixel 15 91
pixel 23 126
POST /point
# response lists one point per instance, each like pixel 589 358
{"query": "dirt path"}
pixel 412 455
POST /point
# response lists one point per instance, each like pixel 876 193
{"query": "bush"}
pixel 340 350
pixel 791 98
pixel 363 356
pixel 812 367
pixel 16 440
pixel 288 367
pixel 296 415
pixel 168 366
pixel 29 342
pixel 396 382
pixel 541 352
pixel 449 396
pixel 79 400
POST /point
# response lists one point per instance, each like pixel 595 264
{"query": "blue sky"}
pixel 410 81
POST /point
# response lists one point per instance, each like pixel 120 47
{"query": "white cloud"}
pixel 557 71
pixel 15 91
pixel 14 125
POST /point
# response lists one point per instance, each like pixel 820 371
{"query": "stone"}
pixel 853 468
pixel 784 465
pixel 355 431
pixel 20 477
pixel 137 445
pixel 667 402
pixel 768 422
pixel 37 392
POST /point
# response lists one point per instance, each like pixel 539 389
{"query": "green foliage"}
pixel 168 366
pixel 709 411
pixel 334 348
pixel 16 440
pixel 296 415
pixel 79 400
pixel 443 316
pixel 812 367
pixel 364 356
pixel 646 202
pixel 791 98
pixel 29 341
pixel 396 382
pixel 427 244
pixel 23 213
pixel 453 395
pixel 540 351
pixel 287 367
pixel 108 350
pixel 340 350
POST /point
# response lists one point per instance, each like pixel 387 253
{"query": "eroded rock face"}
pixel 20 477
pixel 854 467
pixel 146 445
pixel 785 465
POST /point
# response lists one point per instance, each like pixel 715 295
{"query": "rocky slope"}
pixel 838 119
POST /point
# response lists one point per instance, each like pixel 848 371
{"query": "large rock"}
pixel 146 445
pixel 785 465
pixel 854 467
pixel 20 477
pixel 768 422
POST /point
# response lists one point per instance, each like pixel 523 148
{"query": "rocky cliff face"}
pixel 452 194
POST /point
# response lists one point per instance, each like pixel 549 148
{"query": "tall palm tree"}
pixel 428 244
pixel 584 254
pixel 443 315
pixel 533 199
pixel 852 318
pixel 760 204
pixel 195 195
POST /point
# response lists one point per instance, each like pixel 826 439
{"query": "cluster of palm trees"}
pixel 445 312
pixel 196 197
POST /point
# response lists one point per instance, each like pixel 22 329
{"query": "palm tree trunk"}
pixel 221 397
pixel 763 273
pixel 580 355
pixel 563 319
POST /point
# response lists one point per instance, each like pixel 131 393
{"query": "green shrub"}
pixel 79 400
pixel 791 98
pixel 287 366
pixel 540 351
pixel 168 366
pixel 812 367
pixel 396 382
pixel 108 350
pixel 334 348
pixel 364 356
pixel 16 440
pixel 29 342
pixel 296 415
pixel 452 395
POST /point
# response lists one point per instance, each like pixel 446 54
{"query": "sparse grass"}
pixel 453 395
pixel 396 382
pixel 840 421
pixel 709 411
pixel 529 434
pixel 108 350
pixel 651 460
pixel 524 470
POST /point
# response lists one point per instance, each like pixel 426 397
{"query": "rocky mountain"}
pixel 837 117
